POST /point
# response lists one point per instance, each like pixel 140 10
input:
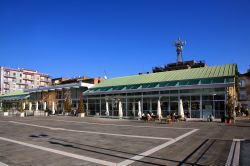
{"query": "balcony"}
pixel 9 76
pixel 30 79
pixel 42 80
pixel 22 83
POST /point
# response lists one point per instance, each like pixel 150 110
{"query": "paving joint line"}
pixel 93 132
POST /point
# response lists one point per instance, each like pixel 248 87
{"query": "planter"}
pixel 229 121
pixel 66 114
pixel 46 114
pixel 81 115
pixel 21 114
pixel 5 113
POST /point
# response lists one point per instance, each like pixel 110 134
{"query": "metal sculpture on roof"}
pixel 179 48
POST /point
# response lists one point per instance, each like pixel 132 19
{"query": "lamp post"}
pixel 214 105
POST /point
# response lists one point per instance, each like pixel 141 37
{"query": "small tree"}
pixel 230 107
pixel 5 109
pixel 67 104
pixel 81 105
pixel 21 109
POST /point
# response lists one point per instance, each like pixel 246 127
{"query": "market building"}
pixel 48 98
pixel 202 90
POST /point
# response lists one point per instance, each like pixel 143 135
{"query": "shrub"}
pixel 81 105
pixel 230 107
pixel 21 110
pixel 67 104
pixel 5 109
pixel 47 110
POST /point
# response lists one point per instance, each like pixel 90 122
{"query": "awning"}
pixel 15 95
pixel 11 98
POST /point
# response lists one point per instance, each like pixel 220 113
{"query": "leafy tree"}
pixel 67 103
pixel 230 107
pixel 21 109
pixel 81 105
pixel 5 109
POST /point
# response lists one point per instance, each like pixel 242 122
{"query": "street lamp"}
pixel 214 105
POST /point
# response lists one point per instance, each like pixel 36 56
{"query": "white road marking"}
pixel 2 164
pixel 236 160
pixel 155 149
pixel 230 156
pixel 234 154
pixel 110 124
pixel 85 158
pixel 92 132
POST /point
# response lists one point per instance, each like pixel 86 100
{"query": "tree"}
pixel 81 105
pixel 230 107
pixel 67 103
pixel 237 84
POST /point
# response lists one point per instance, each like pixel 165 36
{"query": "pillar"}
pixel 44 106
pixel 30 106
pixel 23 105
pixel 37 106
pixel 53 107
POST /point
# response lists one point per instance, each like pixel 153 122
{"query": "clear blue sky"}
pixel 121 37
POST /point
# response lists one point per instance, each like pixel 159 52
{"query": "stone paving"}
pixel 59 140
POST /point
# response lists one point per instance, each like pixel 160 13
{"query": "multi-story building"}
pixel 18 79
pixel 245 90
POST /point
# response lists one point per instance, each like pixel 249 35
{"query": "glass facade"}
pixel 197 103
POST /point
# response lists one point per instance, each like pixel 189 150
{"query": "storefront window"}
pixel 195 109
pixel 219 108
pixel 174 107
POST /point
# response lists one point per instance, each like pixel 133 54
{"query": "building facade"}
pixel 36 100
pixel 19 79
pixel 203 92
pixel 53 97
pixel 244 96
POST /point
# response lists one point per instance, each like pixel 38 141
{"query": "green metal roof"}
pixel 15 95
pixel 213 74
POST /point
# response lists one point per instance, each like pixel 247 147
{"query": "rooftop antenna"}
pixel 179 48
pixel 105 75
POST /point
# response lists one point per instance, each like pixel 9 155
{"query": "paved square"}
pixel 62 140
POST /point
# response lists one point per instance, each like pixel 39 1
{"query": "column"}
pixel 190 107
pixel 37 106
pixel 169 107
pixel 30 106
pixel 201 106
pixel 100 106
pixel 53 107
pixel 23 105
pixel 87 106
pixel 179 101
pixel 44 105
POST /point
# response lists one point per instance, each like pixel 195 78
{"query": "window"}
pixel 21 75
pixel 242 83
pixel 14 74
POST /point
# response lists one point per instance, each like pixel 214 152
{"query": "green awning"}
pixel 15 95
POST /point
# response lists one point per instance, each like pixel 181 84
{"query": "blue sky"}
pixel 122 37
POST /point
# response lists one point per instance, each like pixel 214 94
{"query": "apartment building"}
pixel 18 79
pixel 245 90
